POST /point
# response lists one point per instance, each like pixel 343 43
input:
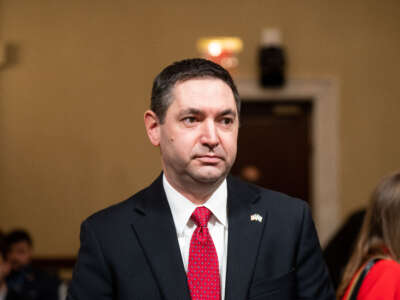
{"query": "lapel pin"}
pixel 256 218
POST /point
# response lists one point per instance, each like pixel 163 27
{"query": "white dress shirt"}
pixel 182 209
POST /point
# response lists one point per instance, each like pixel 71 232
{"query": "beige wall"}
pixel 71 104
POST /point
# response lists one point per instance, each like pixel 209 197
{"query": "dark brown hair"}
pixel 380 232
pixel 183 70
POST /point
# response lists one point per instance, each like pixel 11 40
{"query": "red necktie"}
pixel 203 272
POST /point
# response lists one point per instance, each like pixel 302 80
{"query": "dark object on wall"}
pixel 272 60
pixel 272 63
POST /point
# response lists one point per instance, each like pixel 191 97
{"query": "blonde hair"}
pixel 380 232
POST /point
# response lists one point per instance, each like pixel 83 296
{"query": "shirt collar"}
pixel 182 208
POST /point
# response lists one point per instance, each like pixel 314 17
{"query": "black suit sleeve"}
pixel 92 277
pixel 313 281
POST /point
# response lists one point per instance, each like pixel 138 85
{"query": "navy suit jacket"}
pixel 130 250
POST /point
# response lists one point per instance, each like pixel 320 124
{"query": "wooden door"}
pixel 274 146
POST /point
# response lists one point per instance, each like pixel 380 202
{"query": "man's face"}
pixel 19 255
pixel 198 138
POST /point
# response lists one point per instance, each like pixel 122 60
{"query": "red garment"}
pixel 381 283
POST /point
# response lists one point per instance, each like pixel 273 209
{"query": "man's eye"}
pixel 227 121
pixel 189 120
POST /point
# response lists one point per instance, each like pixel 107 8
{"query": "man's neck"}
pixel 197 192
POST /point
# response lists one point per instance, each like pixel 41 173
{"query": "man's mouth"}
pixel 209 158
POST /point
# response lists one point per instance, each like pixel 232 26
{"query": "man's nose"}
pixel 209 135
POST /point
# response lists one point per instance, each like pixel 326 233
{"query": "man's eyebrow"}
pixel 190 111
pixel 228 112
pixel 195 111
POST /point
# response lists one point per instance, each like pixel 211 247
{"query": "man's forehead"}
pixel 197 81
pixel 204 92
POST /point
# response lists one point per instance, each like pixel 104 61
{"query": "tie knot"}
pixel 201 215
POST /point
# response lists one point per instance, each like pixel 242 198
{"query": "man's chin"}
pixel 209 176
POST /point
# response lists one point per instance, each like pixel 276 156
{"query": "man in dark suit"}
pixel 26 281
pixel 196 232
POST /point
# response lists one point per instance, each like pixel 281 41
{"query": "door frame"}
pixel 324 96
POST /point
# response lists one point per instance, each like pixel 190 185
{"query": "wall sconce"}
pixel 221 50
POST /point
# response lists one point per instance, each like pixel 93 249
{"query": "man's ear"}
pixel 152 124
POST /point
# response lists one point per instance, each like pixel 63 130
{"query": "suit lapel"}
pixel 155 229
pixel 243 238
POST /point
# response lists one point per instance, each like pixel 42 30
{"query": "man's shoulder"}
pixel 117 213
pixel 284 213
pixel 269 198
